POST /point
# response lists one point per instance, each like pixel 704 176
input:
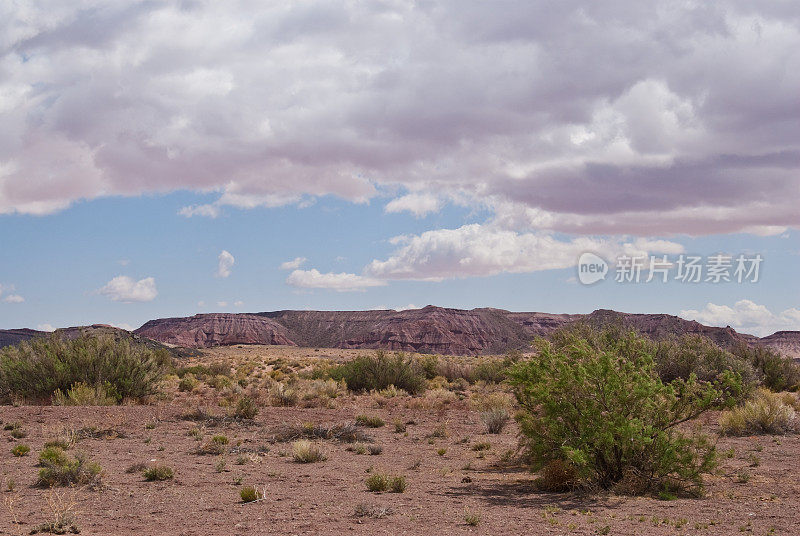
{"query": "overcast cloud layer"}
pixel 583 117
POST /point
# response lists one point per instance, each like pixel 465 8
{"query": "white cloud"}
pixel 222 304
pixel 481 250
pixel 293 264
pixel 201 303
pixel 238 303
pixel 126 289
pixel 408 307
pixel 419 205
pixel 209 211
pixel 10 298
pixel 122 325
pixel 225 264
pixel 349 100
pixel 341 282
pixel 45 327
pixel 746 316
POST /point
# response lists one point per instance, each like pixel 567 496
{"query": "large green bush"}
pixel 592 403
pixel 775 371
pixel 365 373
pixel 37 369
pixel 694 354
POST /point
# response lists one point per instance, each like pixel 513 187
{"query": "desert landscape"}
pixel 399 267
pixel 242 438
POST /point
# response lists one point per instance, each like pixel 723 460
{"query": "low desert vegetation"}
pixel 593 403
pixel 158 473
pixel 304 451
pixel 60 469
pixel 250 494
pixel 370 421
pixel 20 450
pixel 765 413
pixel 378 482
pixel 379 371
pixel 96 369
pixel 246 408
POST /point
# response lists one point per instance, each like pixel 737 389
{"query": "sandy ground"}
pixel 445 477
pixel 322 497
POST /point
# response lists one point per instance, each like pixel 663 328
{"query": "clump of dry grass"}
pixel 378 482
pixel 765 413
pixel 344 433
pixel 304 451
pixel 370 421
pixel 250 494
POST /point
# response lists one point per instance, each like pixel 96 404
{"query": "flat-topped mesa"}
pixel 216 329
pixel 427 330
pixel 431 329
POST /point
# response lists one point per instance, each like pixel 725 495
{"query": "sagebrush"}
pixel 38 368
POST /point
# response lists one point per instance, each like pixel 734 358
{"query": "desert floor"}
pixel 756 490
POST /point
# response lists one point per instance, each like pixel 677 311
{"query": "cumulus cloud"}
pixel 293 264
pixel 224 265
pixel 480 250
pixel 10 298
pixel 45 327
pixel 341 282
pixel 126 289
pixel 688 133
pixel 746 316
pixel 419 205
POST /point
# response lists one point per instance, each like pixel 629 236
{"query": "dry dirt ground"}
pixel 755 492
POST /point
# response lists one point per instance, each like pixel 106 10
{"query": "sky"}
pixel 171 158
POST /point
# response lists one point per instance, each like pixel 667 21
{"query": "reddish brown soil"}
pixel 321 497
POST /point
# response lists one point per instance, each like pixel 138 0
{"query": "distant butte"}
pixel 428 330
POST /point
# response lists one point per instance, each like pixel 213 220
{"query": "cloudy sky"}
pixel 168 158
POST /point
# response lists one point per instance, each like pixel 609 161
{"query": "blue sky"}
pixel 60 261
pixel 168 158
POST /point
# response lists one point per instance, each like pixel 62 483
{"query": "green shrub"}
pixel 765 413
pixel 367 373
pixel 52 455
pixel 471 517
pixel 397 484
pixel 187 383
pixel 370 421
pixel 81 394
pixel 158 473
pixel 777 372
pixel 38 368
pixel 20 450
pixel 246 408
pixel 698 355
pixel 250 494
pixel 593 400
pixel 61 470
pixel 377 482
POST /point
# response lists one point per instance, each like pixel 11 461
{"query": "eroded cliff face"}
pixel 217 329
pixel 785 342
pixel 427 330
